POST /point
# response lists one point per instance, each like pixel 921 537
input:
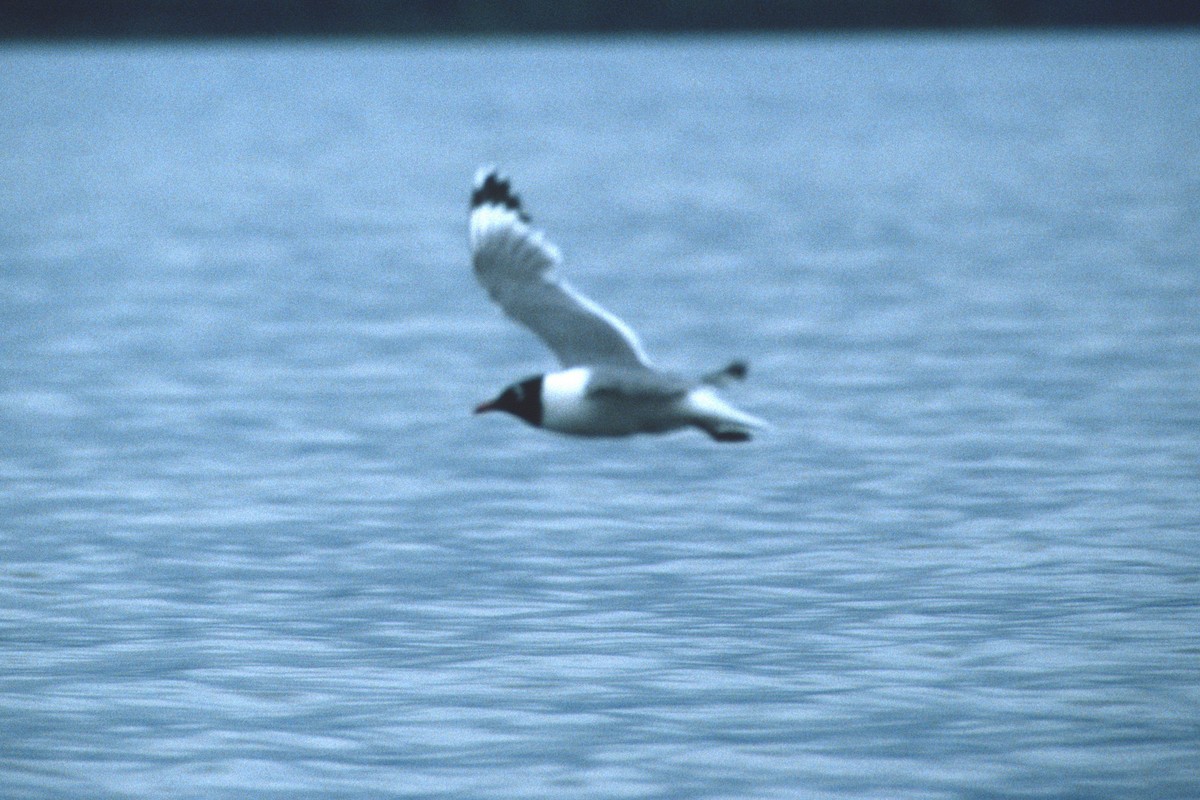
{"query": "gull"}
pixel 607 385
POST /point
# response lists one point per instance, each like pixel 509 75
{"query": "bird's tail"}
pixel 719 419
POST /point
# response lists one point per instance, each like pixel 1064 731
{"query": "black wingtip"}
pixel 728 435
pixel 735 371
pixel 492 188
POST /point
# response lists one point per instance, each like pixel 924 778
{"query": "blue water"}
pixel 253 543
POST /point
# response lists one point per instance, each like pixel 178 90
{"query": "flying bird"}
pixel 607 385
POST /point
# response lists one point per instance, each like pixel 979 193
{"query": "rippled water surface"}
pixel 253 543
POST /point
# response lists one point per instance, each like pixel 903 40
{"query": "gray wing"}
pixel 515 263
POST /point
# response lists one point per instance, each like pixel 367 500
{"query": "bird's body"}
pixel 607 386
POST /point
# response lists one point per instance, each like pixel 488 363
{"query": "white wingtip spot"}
pixel 483 172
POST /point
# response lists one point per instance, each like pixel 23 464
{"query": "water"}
pixel 254 544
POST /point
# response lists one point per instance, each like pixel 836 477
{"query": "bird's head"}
pixel 522 399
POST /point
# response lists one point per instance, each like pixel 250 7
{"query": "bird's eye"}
pixel 518 392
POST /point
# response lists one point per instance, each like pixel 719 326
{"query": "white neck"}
pixel 563 396
pixel 566 386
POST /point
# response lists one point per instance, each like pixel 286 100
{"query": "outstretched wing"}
pixel 515 263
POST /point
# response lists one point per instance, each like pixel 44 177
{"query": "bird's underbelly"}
pixel 607 417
